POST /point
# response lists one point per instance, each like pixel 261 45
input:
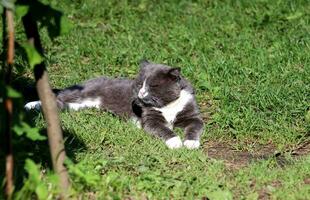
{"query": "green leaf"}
pixel 9 4
pixel 307 117
pixel 21 10
pixel 34 135
pixel 54 179
pixel 12 92
pixel 33 55
pixel 65 25
pixel 18 130
pixel 52 19
pixel 1 10
pixel 33 171
pixel 294 16
pixel 42 191
pixel 31 133
pixel 78 170
pixel 220 195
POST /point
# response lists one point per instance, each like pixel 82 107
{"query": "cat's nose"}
pixel 142 93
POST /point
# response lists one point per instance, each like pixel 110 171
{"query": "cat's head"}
pixel 157 85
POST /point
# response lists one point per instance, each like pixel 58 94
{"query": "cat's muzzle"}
pixel 147 101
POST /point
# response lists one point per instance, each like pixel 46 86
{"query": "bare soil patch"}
pixel 234 158
pixel 302 150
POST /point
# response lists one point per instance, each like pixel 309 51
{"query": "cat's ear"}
pixel 175 73
pixel 144 63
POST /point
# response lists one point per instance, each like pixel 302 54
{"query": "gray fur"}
pixel 115 95
pixel 120 96
pixel 152 120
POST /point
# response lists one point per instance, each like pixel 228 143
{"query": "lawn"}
pixel 250 64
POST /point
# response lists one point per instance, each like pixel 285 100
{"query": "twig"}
pixel 49 107
pixel 8 105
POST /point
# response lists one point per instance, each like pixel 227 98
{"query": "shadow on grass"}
pixel 23 147
pixel 38 151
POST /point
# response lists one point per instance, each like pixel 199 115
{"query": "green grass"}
pixel 248 59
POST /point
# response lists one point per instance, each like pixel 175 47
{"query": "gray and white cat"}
pixel 158 100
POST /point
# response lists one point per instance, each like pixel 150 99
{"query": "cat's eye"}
pixel 154 85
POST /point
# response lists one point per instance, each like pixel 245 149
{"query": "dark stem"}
pixel 8 104
pixel 4 44
pixel 49 107
pixel 9 162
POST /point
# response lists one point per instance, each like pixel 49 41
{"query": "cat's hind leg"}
pixel 84 103
pixel 72 98
pixel 33 105
pixel 36 105
pixel 62 96
pixel 77 105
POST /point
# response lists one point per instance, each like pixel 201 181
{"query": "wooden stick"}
pixel 10 21
pixel 49 107
pixel 8 105
pixel 9 165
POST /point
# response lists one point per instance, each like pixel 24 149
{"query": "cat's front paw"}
pixel 174 143
pixel 33 105
pixel 192 144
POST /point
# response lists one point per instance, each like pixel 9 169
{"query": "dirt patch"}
pixel 206 110
pixel 234 158
pixel 307 181
pixel 266 191
pixel 302 150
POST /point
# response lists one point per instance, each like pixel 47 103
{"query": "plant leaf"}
pixel 34 135
pixel 12 92
pixel 21 10
pixel 9 4
pixel 220 195
pixel 18 130
pixel 65 25
pixel 33 171
pixel 307 117
pixel 41 191
pixel 52 19
pixel 33 55
pixel 31 133
pixel 1 10
pixel 294 16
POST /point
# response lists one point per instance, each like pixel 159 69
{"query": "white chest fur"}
pixel 171 110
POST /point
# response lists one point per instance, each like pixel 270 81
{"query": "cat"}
pixel 157 100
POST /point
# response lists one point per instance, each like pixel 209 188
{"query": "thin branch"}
pixel 49 107
pixel 10 21
pixel 8 104
pixel 9 162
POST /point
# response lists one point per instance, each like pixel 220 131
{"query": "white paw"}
pixel 174 143
pixel 33 105
pixel 191 144
pixel 136 122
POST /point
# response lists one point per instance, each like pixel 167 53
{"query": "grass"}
pixel 249 62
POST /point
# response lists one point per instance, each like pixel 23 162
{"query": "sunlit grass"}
pixel 248 59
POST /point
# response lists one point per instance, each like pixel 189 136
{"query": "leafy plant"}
pixel 33 185
pixel 11 114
